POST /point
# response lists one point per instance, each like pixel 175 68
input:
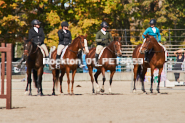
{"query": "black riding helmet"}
pixel 104 24
pixel 152 22
pixel 65 23
pixel 35 22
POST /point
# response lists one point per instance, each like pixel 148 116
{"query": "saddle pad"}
pixel 51 50
pixel 101 53
pixel 63 52
pixel 43 53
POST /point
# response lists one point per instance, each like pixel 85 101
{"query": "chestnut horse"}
pixel 156 60
pixel 34 61
pixel 110 53
pixel 71 55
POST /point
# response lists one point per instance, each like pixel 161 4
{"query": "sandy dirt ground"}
pixel 84 107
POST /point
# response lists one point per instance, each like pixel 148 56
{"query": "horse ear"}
pixel 85 36
pixel 119 39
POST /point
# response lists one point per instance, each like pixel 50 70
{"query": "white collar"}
pixel 36 29
pixel 154 29
pixel 64 30
pixel 103 32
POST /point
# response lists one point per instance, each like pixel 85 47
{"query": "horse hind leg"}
pixel 159 79
pixel 142 79
pixel 96 79
pixel 137 72
pixel 72 81
pixel 39 81
pixel 55 79
pixel 61 79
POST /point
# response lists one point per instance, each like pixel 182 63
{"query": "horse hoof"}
pixel 26 92
pixel 102 90
pixel 30 94
pixel 134 91
pixel 53 93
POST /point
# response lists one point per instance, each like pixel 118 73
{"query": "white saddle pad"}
pixel 63 52
pixel 41 49
pixel 101 53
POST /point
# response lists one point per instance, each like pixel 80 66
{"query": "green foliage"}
pixel 85 17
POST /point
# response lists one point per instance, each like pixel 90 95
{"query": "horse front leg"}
pixel 103 73
pixel 152 76
pixel 39 81
pixel 135 76
pixel 29 81
pixel 91 75
pixel 68 79
pixel 159 79
pixel 73 76
pixel 61 79
pixel 96 79
pixel 111 77
pixel 142 79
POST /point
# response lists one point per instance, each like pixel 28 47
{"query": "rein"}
pixel 111 50
pixel 80 48
pixel 152 51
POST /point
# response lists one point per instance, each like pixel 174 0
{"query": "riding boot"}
pixel 96 58
pixel 20 63
pixel 57 62
pixel 79 55
pixel 146 58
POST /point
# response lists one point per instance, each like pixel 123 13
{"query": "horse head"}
pixel 115 46
pixel 147 44
pixel 28 47
pixel 83 44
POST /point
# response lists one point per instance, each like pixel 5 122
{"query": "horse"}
pixel 34 60
pixel 79 42
pixel 109 54
pixel 157 60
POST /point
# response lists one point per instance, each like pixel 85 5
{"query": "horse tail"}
pixel 57 78
pixel 139 72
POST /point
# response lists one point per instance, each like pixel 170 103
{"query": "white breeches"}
pixel 45 49
pixel 59 49
pixel 98 49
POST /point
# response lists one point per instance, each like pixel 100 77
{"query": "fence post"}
pixel 169 35
pixel 9 77
pixel 126 36
pixel 3 69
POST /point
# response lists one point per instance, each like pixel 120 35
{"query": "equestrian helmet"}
pixel 152 22
pixel 104 24
pixel 65 23
pixel 35 22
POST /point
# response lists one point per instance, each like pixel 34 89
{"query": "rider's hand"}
pixel 103 39
pixel 159 41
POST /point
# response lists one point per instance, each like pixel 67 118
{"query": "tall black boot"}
pixel 146 60
pixel 20 63
pixel 96 58
pixel 57 63
pixel 79 55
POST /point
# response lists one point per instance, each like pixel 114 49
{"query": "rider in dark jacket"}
pixel 36 34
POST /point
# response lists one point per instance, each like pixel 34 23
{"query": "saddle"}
pixel 101 53
pixel 42 51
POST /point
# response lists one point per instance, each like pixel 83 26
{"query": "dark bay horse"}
pixel 34 60
pixel 109 54
pixel 156 60
pixel 70 56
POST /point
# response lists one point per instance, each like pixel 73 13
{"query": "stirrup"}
pixel 97 65
pixel 81 66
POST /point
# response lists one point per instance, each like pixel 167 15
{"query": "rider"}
pixel 153 31
pixel 36 33
pixel 64 39
pixel 103 37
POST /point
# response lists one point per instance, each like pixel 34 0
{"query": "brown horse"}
pixel 70 55
pixel 156 60
pixel 34 61
pixel 110 53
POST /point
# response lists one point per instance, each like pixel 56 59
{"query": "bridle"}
pixel 30 51
pixel 148 45
pixel 80 48
pixel 115 52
